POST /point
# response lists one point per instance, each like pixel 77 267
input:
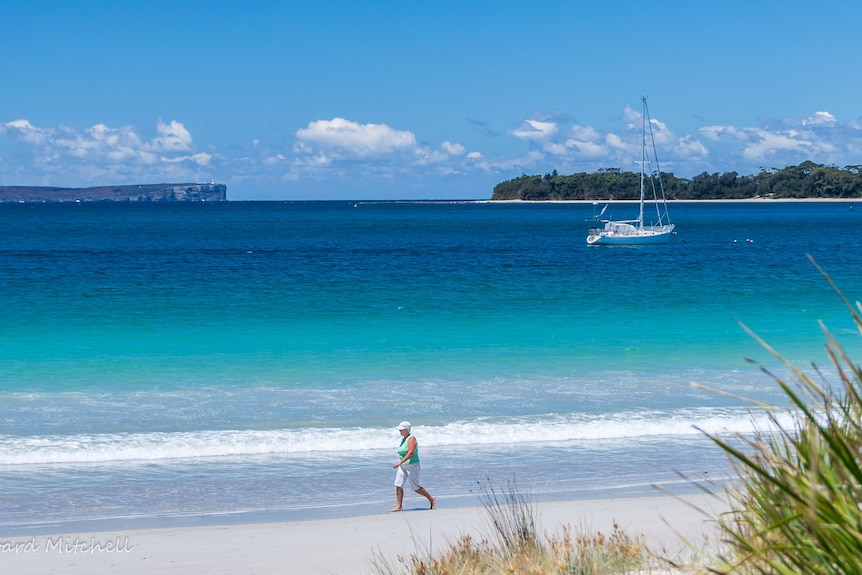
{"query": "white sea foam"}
pixel 91 448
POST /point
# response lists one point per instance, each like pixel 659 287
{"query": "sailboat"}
pixel 635 232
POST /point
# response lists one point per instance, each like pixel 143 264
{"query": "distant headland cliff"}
pixel 134 193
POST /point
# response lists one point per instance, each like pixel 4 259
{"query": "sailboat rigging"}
pixel 635 232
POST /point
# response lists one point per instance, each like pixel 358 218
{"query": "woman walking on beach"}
pixel 408 467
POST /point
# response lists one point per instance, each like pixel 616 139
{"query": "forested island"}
pixel 132 193
pixel 807 180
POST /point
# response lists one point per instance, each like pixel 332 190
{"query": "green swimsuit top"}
pixel 404 448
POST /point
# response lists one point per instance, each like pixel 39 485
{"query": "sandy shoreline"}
pixel 724 201
pixel 341 546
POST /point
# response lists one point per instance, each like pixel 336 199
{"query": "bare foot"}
pixel 433 503
pixel 394 509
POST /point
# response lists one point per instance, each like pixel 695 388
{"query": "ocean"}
pixel 176 364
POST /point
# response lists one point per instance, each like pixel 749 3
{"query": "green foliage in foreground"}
pixel 807 180
pixel 798 508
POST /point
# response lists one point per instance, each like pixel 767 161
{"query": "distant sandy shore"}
pixel 744 201
pixel 343 546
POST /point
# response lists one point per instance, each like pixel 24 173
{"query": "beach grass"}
pixel 796 506
pixel 515 545
pixel 564 553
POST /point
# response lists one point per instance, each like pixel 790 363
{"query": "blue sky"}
pixel 418 100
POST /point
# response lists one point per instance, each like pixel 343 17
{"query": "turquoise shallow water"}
pixel 153 356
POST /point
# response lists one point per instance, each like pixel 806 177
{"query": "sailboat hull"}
pixel 634 237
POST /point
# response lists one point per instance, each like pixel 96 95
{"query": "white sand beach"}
pixel 342 546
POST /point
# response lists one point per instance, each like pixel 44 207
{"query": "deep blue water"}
pixel 153 356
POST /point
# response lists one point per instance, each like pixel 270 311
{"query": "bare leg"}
pixel 432 500
pixel 399 497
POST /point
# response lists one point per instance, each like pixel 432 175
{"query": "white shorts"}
pixel 408 473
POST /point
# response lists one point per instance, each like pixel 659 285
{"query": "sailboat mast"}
pixel 643 160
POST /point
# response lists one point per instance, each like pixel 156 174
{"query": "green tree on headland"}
pixel 807 180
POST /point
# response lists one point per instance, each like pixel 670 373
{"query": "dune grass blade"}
pixel 511 516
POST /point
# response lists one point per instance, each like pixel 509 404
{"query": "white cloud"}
pixel 108 154
pixel 717 133
pixel 586 149
pixel 584 133
pixel 819 119
pixel 769 143
pixel 361 140
pixel 660 132
pixel 453 149
pixel 762 143
pixel 100 141
pixel 202 158
pixel 631 118
pixel 312 160
pixel 585 142
pixel 340 151
pixel 535 130
pixel 424 157
pixel 274 160
pixel 688 146
pixel 556 149
pixel 820 137
pixel 172 137
pixel 28 132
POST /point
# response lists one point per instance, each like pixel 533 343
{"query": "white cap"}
pixel 404 425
